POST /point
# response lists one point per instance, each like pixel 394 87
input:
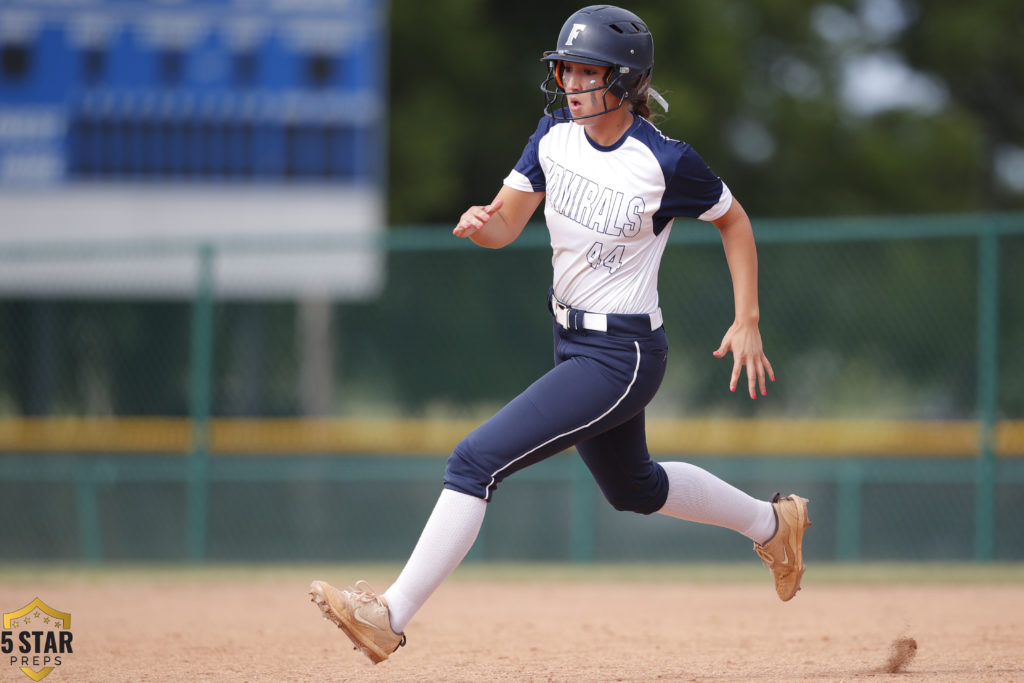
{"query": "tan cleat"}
pixel 362 615
pixel 784 554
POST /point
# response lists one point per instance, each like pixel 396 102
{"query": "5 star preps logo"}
pixel 36 639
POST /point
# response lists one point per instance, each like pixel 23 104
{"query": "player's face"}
pixel 585 91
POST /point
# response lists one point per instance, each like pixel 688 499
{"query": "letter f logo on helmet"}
pixel 576 30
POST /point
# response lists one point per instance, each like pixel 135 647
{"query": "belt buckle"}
pixel 561 313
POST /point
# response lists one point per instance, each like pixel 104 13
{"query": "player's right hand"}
pixel 475 217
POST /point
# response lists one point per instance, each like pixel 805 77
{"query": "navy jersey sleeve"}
pixel 691 188
pixel 529 163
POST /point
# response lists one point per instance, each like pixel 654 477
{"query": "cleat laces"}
pixel 364 594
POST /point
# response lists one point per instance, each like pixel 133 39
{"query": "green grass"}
pixel 820 573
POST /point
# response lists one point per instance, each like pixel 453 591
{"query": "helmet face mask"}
pixel 557 96
pixel 601 35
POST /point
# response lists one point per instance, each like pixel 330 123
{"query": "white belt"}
pixel 597 322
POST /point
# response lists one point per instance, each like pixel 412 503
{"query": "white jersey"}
pixel 609 210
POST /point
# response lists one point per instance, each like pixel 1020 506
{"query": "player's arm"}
pixel 500 222
pixel 743 337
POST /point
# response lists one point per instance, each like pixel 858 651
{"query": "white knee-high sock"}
pixel 447 536
pixel 697 495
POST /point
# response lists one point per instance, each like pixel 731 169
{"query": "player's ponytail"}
pixel 641 108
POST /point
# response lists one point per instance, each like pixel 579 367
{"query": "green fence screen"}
pixel 222 430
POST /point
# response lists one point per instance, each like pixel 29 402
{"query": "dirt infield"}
pixel 236 625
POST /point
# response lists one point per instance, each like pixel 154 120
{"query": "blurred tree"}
pixel 974 48
pixel 464 100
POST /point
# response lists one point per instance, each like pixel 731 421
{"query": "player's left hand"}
pixel 744 340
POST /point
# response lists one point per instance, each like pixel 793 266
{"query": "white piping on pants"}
pixel 632 381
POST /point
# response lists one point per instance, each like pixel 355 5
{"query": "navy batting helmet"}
pixel 602 35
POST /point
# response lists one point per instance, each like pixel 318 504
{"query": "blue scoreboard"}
pixel 198 123
pixel 169 90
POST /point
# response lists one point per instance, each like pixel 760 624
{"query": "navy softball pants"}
pixel 593 399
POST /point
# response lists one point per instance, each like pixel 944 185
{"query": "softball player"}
pixel 612 185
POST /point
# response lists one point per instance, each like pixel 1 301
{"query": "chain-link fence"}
pixel 209 428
